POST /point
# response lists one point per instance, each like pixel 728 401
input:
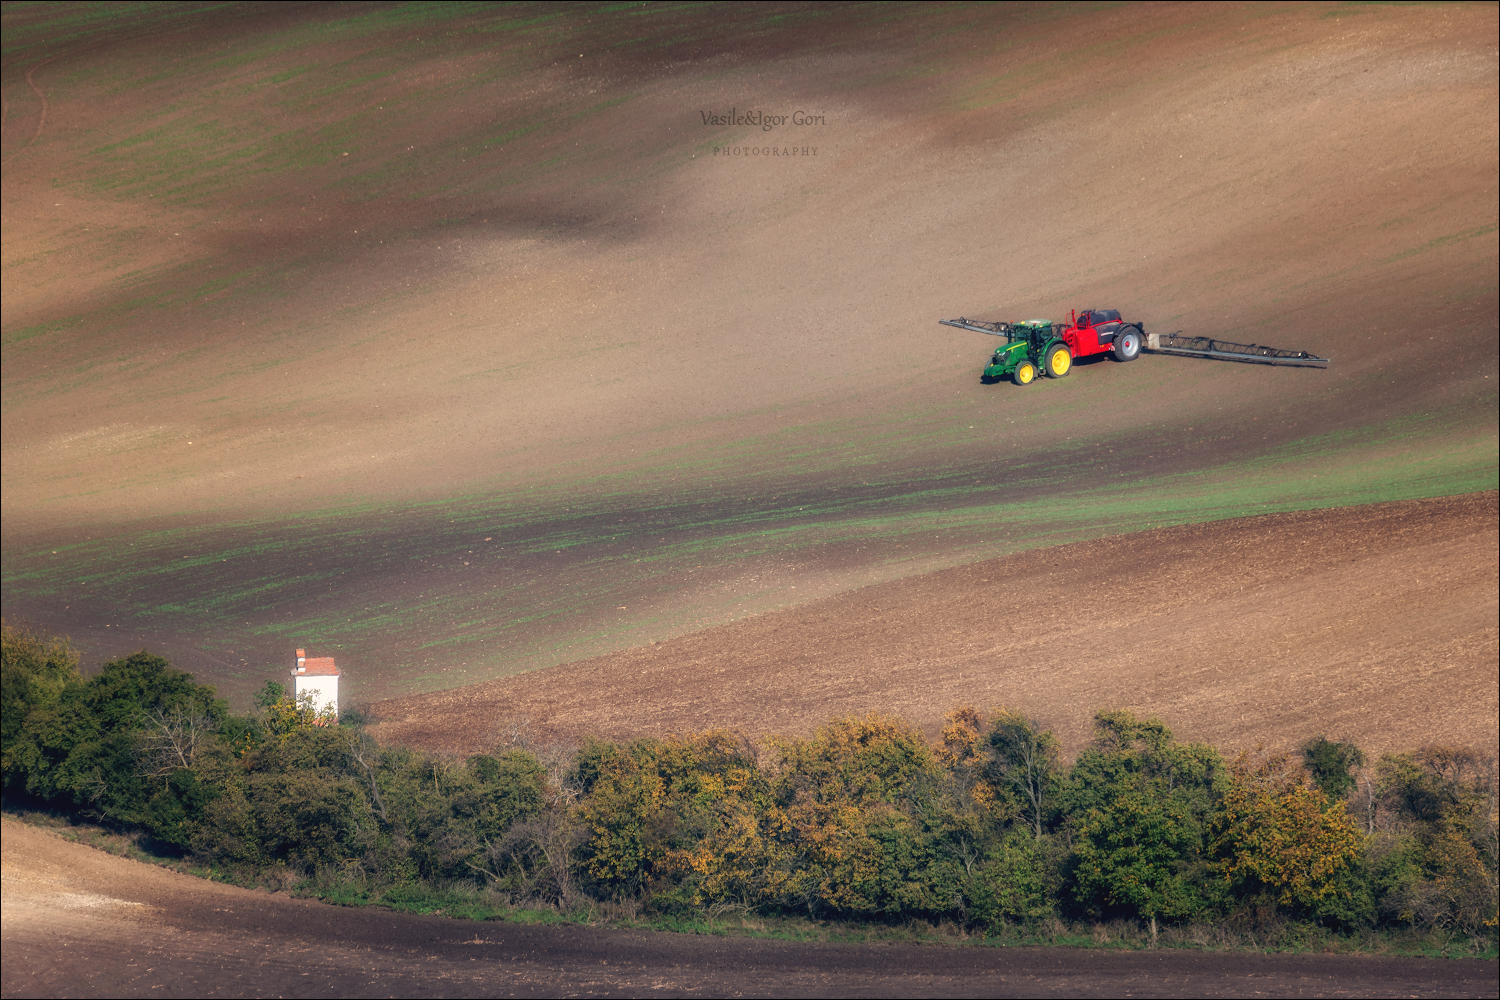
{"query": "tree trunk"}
pixel 1153 930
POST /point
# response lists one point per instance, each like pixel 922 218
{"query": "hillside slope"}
pixel 1376 624
pixel 437 336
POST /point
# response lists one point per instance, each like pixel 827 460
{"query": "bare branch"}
pixel 365 750
pixel 171 740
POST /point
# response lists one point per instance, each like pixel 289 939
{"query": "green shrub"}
pixel 98 745
pixel 33 672
pixel 1137 803
pixel 1016 883
pixel 1332 765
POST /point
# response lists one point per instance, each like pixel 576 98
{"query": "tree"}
pixel 83 746
pixel 1137 801
pixel 963 739
pixel 662 815
pixel 872 759
pixel 1025 761
pixel 33 672
pixel 1332 765
pixel 170 738
pixel 270 695
pixel 285 715
pixel 1437 865
pixel 858 820
pixel 1275 839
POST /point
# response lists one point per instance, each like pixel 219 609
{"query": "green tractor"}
pixel 1035 347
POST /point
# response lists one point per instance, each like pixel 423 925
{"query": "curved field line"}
pixel 41 96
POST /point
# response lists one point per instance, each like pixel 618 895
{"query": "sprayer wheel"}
pixel 1127 345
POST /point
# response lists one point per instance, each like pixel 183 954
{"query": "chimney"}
pixel 301 660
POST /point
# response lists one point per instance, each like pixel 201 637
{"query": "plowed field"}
pixel 1374 623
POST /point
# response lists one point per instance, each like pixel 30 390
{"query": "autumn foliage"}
pixel 987 826
pixel 1279 840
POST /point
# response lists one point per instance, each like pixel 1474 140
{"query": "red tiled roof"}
pixel 318 665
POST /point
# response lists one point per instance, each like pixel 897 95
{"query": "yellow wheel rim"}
pixel 1026 373
pixel 1061 362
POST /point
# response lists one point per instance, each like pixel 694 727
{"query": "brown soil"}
pixel 193 333
pixel 1374 623
pixel 79 922
pixel 414 320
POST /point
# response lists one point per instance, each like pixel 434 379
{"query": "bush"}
pixel 1138 803
pixel 1435 847
pixel 1278 842
pixel 95 745
pixel 33 673
pixel 1332 765
pixel 671 820
pixel 1016 883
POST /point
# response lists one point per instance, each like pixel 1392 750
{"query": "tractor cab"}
pixel 1028 337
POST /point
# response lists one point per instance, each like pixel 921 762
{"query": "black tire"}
pixel 1058 362
pixel 1128 343
pixel 1025 373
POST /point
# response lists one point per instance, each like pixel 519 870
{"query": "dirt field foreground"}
pixel 1374 623
pixel 79 922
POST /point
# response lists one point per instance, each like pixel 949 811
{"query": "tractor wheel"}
pixel 1059 361
pixel 1127 346
pixel 1025 373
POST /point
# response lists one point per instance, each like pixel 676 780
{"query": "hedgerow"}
pixel 865 820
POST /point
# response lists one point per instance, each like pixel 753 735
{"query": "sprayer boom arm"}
pixel 978 326
pixel 1224 350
